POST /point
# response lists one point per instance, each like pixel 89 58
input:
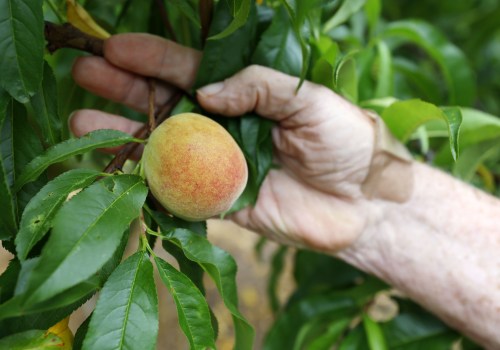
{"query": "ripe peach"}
pixel 194 167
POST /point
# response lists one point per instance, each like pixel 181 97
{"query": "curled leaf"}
pixel 82 20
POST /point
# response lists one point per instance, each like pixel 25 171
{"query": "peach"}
pixel 193 166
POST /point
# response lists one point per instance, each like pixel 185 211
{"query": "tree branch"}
pixel 65 35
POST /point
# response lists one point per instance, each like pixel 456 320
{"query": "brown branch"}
pixel 65 35
pixel 205 9
pixel 151 104
pixel 68 36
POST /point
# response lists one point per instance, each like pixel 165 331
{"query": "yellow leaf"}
pixel 82 20
pixel 62 330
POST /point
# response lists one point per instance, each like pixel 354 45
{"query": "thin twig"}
pixel 164 17
pixel 127 150
pixel 151 104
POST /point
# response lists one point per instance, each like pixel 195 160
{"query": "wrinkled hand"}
pixel 323 143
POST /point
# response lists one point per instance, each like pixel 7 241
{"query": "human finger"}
pixel 104 79
pixel 152 56
pixel 86 120
pixel 270 93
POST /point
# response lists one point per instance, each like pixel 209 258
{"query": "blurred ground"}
pixel 252 282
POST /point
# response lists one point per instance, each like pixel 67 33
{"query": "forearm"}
pixel 442 248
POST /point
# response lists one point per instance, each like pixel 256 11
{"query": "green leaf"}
pixel 222 269
pixel 279 47
pixel 473 156
pixel 298 13
pixel 404 117
pixel 21 45
pixel 323 69
pixel 478 126
pixel 326 340
pixel 238 21
pixel 346 78
pixel 126 314
pixel 8 280
pixel 285 330
pixel 344 303
pixel 192 308
pixel 224 58
pixel 45 108
pixel 8 214
pixel 81 333
pixel 277 264
pixel 40 211
pixel 313 272
pixel 345 11
pixel 64 150
pixel 452 62
pixel 187 267
pixel 385 76
pixel 32 340
pixel 55 310
pixel 373 8
pixel 374 334
pixel 423 83
pixel 27 146
pixel 355 340
pixel 417 329
pixel 253 135
pixel 187 8
pixel 86 232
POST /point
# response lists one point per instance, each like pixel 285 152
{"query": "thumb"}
pixel 269 93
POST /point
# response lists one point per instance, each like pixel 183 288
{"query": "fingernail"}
pixel 212 89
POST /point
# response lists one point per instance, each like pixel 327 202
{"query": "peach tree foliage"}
pixel 65 251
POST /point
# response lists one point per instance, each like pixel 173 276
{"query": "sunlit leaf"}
pixel 86 232
pixel 346 78
pixel 61 329
pixel 40 211
pixel 345 11
pixel 385 77
pixel 82 20
pixel 21 47
pixel 473 156
pixel 404 117
pixel 66 149
pixel 373 8
pixel 374 334
pixel 126 314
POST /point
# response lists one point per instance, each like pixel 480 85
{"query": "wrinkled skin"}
pixel 323 143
